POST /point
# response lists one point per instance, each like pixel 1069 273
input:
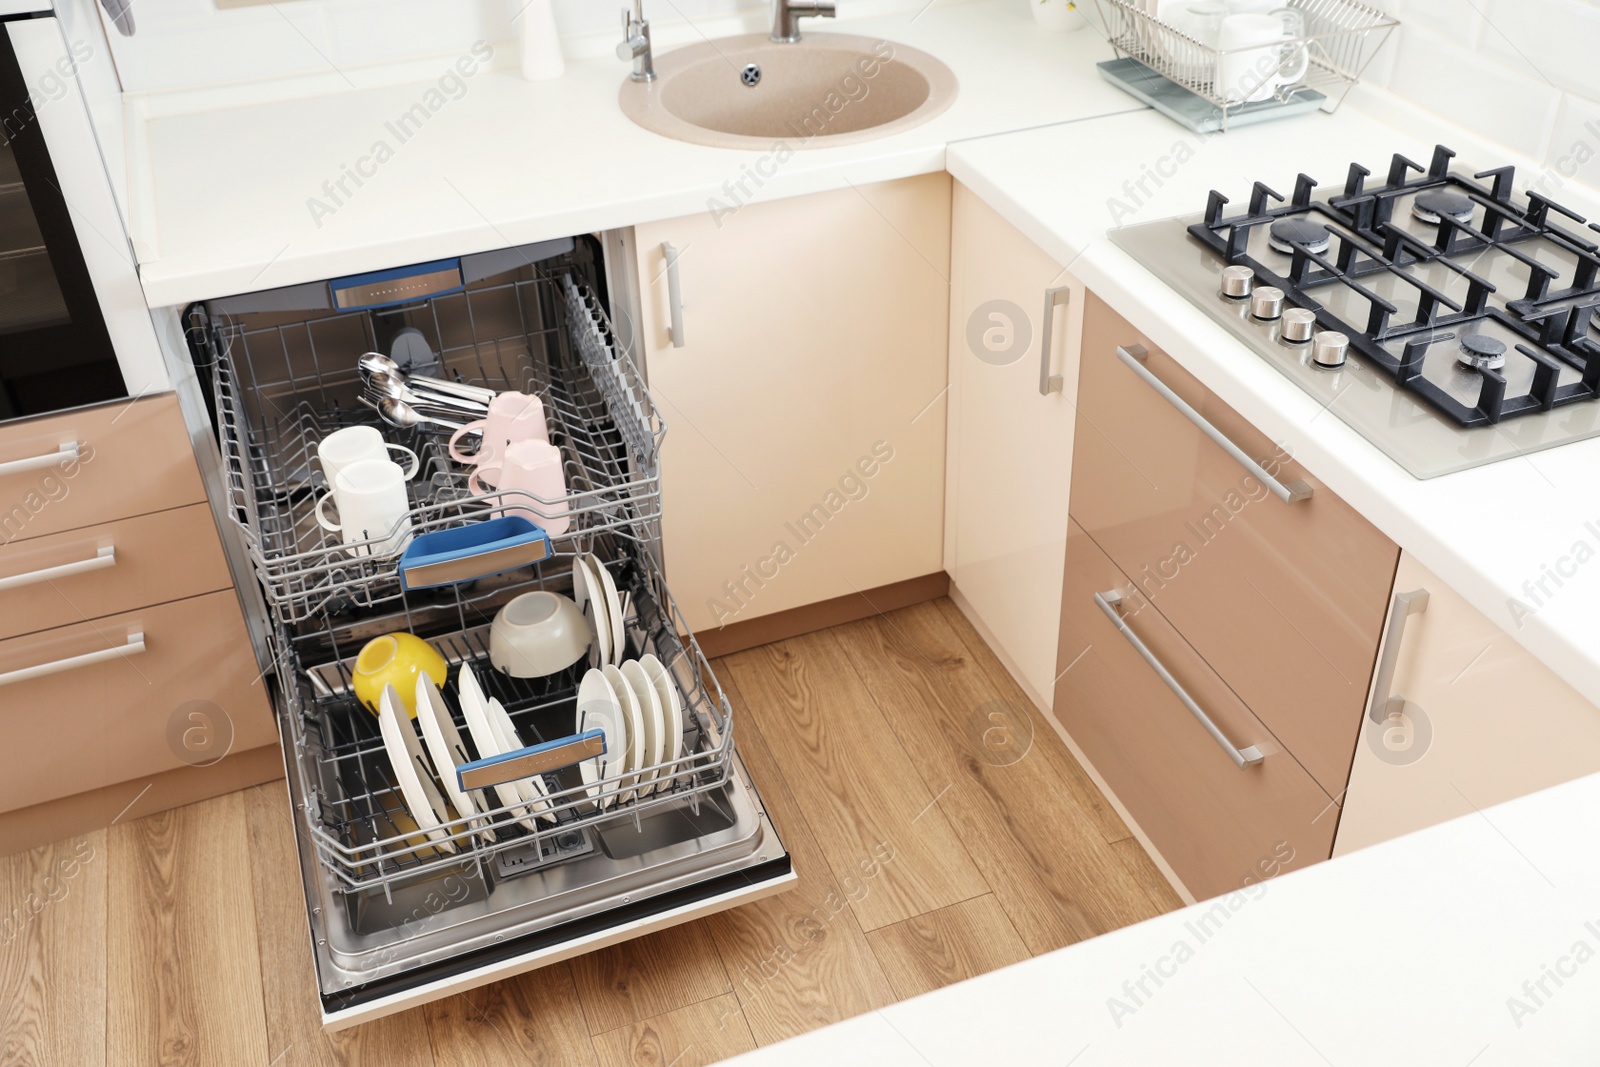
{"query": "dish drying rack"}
pixel 354 813
pixel 283 384
pixel 1181 76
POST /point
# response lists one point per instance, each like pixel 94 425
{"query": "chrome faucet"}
pixel 786 15
pixel 635 44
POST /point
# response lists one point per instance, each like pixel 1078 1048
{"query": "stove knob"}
pixel 1298 325
pixel 1237 282
pixel 1329 349
pixel 1266 303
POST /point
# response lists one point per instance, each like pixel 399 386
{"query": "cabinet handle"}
pixel 1288 492
pixel 134 646
pixel 1247 757
pixel 674 294
pixel 106 557
pixel 1405 606
pixel 65 454
pixel 1053 298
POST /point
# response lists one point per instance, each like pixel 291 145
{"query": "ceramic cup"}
pixel 371 496
pixel 1257 56
pixel 512 417
pixel 355 443
pixel 532 467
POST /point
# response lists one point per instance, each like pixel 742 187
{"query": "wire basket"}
pixel 281 383
pixel 1340 39
pixel 354 814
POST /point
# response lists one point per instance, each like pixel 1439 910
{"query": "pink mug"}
pixel 512 417
pixel 532 467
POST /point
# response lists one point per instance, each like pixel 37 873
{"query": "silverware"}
pixel 377 363
pixel 388 386
pixel 399 414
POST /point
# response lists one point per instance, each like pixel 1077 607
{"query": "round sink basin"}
pixel 826 89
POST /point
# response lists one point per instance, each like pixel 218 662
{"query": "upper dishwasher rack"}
pixel 283 382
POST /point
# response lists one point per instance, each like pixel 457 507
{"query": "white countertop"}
pixel 220 195
pixel 1485 531
pixel 1406 953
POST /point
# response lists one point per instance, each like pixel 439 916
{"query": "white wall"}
pixel 188 44
pixel 1525 73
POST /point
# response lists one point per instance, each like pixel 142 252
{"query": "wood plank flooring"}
pixel 939 828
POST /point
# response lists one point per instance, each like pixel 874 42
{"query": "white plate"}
pixel 411 770
pixel 447 749
pixel 633 729
pixel 486 736
pixel 589 595
pixel 600 709
pixel 655 725
pixel 671 707
pixel 532 789
pixel 619 636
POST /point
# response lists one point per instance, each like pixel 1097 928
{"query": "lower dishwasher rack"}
pixel 395 921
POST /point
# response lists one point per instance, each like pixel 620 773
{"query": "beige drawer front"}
pixel 83 574
pixel 1285 601
pixel 1219 825
pixel 132 458
pixel 76 714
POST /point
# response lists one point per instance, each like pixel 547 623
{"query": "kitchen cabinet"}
pixel 1015 322
pixel 804 394
pixel 1220 825
pixel 1285 599
pixel 1476 720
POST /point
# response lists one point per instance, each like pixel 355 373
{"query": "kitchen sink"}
pixel 824 90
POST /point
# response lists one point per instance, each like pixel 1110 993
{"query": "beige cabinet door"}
pixel 1010 451
pixel 1483 722
pixel 804 456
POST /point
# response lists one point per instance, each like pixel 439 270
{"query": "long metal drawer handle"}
pixel 134 646
pixel 1288 492
pixel 106 557
pixel 1247 757
pixel 1053 298
pixel 674 294
pixel 1405 606
pixel 67 453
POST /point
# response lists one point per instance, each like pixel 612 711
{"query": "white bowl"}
pixel 538 634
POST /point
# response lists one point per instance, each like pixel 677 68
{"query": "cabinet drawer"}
pixel 1219 825
pixel 132 458
pixel 103 717
pixel 83 574
pixel 1285 601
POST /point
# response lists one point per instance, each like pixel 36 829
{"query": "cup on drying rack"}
pixel 532 467
pixel 512 417
pixel 356 443
pixel 372 502
pixel 1261 53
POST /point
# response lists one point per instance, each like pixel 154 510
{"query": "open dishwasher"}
pixel 399 917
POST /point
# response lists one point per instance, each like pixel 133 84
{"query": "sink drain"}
pixel 751 75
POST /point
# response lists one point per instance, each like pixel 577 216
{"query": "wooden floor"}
pixel 887 753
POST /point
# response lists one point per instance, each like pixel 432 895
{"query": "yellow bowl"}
pixel 396 659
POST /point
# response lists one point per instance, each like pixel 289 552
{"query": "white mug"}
pixel 1257 58
pixel 352 445
pixel 532 467
pixel 371 494
pixel 512 417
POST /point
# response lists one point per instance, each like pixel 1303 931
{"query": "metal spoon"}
pixel 391 387
pixel 402 415
pixel 377 363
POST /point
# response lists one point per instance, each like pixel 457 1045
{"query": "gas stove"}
pixel 1447 321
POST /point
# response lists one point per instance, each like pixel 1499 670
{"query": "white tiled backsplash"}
pixel 1524 73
